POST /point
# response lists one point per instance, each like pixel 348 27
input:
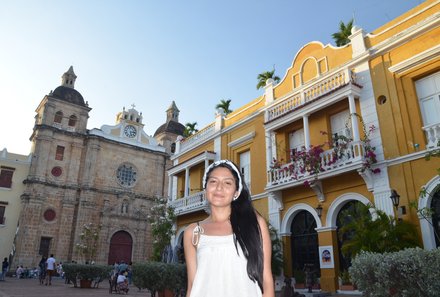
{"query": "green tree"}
pixel 161 219
pixel 190 129
pixel 224 105
pixel 264 76
pixel 378 234
pixel 277 252
pixel 88 242
pixel 341 37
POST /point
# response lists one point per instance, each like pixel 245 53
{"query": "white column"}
pixel 354 122
pixel 170 188
pixel 275 201
pixel 186 182
pixel 268 149
pixel 273 141
pixel 306 131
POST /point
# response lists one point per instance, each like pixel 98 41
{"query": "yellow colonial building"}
pixel 345 125
pixel 14 169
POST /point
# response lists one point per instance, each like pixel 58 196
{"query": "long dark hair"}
pixel 245 227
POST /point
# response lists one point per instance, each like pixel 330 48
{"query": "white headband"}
pixel 227 162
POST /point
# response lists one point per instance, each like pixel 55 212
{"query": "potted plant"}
pixel 86 274
pixel 346 282
pixel 300 278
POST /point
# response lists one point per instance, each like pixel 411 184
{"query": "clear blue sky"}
pixel 149 53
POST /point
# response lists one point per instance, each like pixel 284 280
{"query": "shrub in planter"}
pixel 95 273
pixel 158 276
pixel 408 273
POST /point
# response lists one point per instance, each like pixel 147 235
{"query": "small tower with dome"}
pixel 167 133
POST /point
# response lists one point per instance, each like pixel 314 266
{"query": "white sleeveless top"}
pixel 221 272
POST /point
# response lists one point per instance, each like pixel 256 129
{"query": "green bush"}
pixel 96 273
pixel 158 276
pixel 408 273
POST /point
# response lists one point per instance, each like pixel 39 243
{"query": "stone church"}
pixel 108 177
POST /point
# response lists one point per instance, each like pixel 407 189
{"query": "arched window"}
pixel 72 120
pixel 345 216
pixel 58 117
pixel 304 242
pixel 435 206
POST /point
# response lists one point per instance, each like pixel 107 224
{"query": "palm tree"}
pixel 341 37
pixel 379 235
pixel 264 76
pixel 190 129
pixel 224 105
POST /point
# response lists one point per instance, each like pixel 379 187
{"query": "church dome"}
pixel 171 127
pixel 68 94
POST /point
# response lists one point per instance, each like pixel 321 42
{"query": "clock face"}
pixel 130 131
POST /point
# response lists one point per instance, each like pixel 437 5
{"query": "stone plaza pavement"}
pixel 13 287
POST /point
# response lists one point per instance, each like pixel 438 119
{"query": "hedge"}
pixel 408 273
pixel 95 273
pixel 158 276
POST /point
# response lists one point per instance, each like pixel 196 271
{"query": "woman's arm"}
pixel 190 256
pixel 268 285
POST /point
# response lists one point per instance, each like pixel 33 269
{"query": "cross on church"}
pixel 133 106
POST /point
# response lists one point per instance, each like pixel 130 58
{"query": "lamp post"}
pixel 319 210
pixel 395 197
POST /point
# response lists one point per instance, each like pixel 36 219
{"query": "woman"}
pixel 229 253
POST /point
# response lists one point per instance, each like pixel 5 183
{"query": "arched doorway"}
pixel 435 206
pixel 120 247
pixel 304 242
pixel 345 216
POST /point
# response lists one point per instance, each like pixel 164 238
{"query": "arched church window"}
pixel 58 117
pixel 72 120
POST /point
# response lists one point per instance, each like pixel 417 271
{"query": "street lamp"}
pixel 395 198
pixel 319 210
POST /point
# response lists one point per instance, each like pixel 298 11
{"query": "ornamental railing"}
pixel 191 202
pixel 432 133
pixel 305 95
pixel 331 159
pixel 198 137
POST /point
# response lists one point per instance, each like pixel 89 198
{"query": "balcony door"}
pixel 428 92
pixel 341 124
pixel 245 167
pixel 296 141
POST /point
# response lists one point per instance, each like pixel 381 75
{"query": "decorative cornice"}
pixel 416 60
pixel 242 139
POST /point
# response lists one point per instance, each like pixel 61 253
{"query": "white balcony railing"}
pixel 305 95
pixel 189 203
pixel 432 133
pixel 198 137
pixel 297 171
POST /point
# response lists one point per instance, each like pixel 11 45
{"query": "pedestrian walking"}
pixel 50 269
pixel 5 266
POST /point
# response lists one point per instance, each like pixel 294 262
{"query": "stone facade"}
pixel 107 176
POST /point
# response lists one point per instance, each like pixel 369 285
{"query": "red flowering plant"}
pixel 369 155
pixel 315 160
pixel 276 164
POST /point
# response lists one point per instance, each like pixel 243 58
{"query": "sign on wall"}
pixel 326 258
